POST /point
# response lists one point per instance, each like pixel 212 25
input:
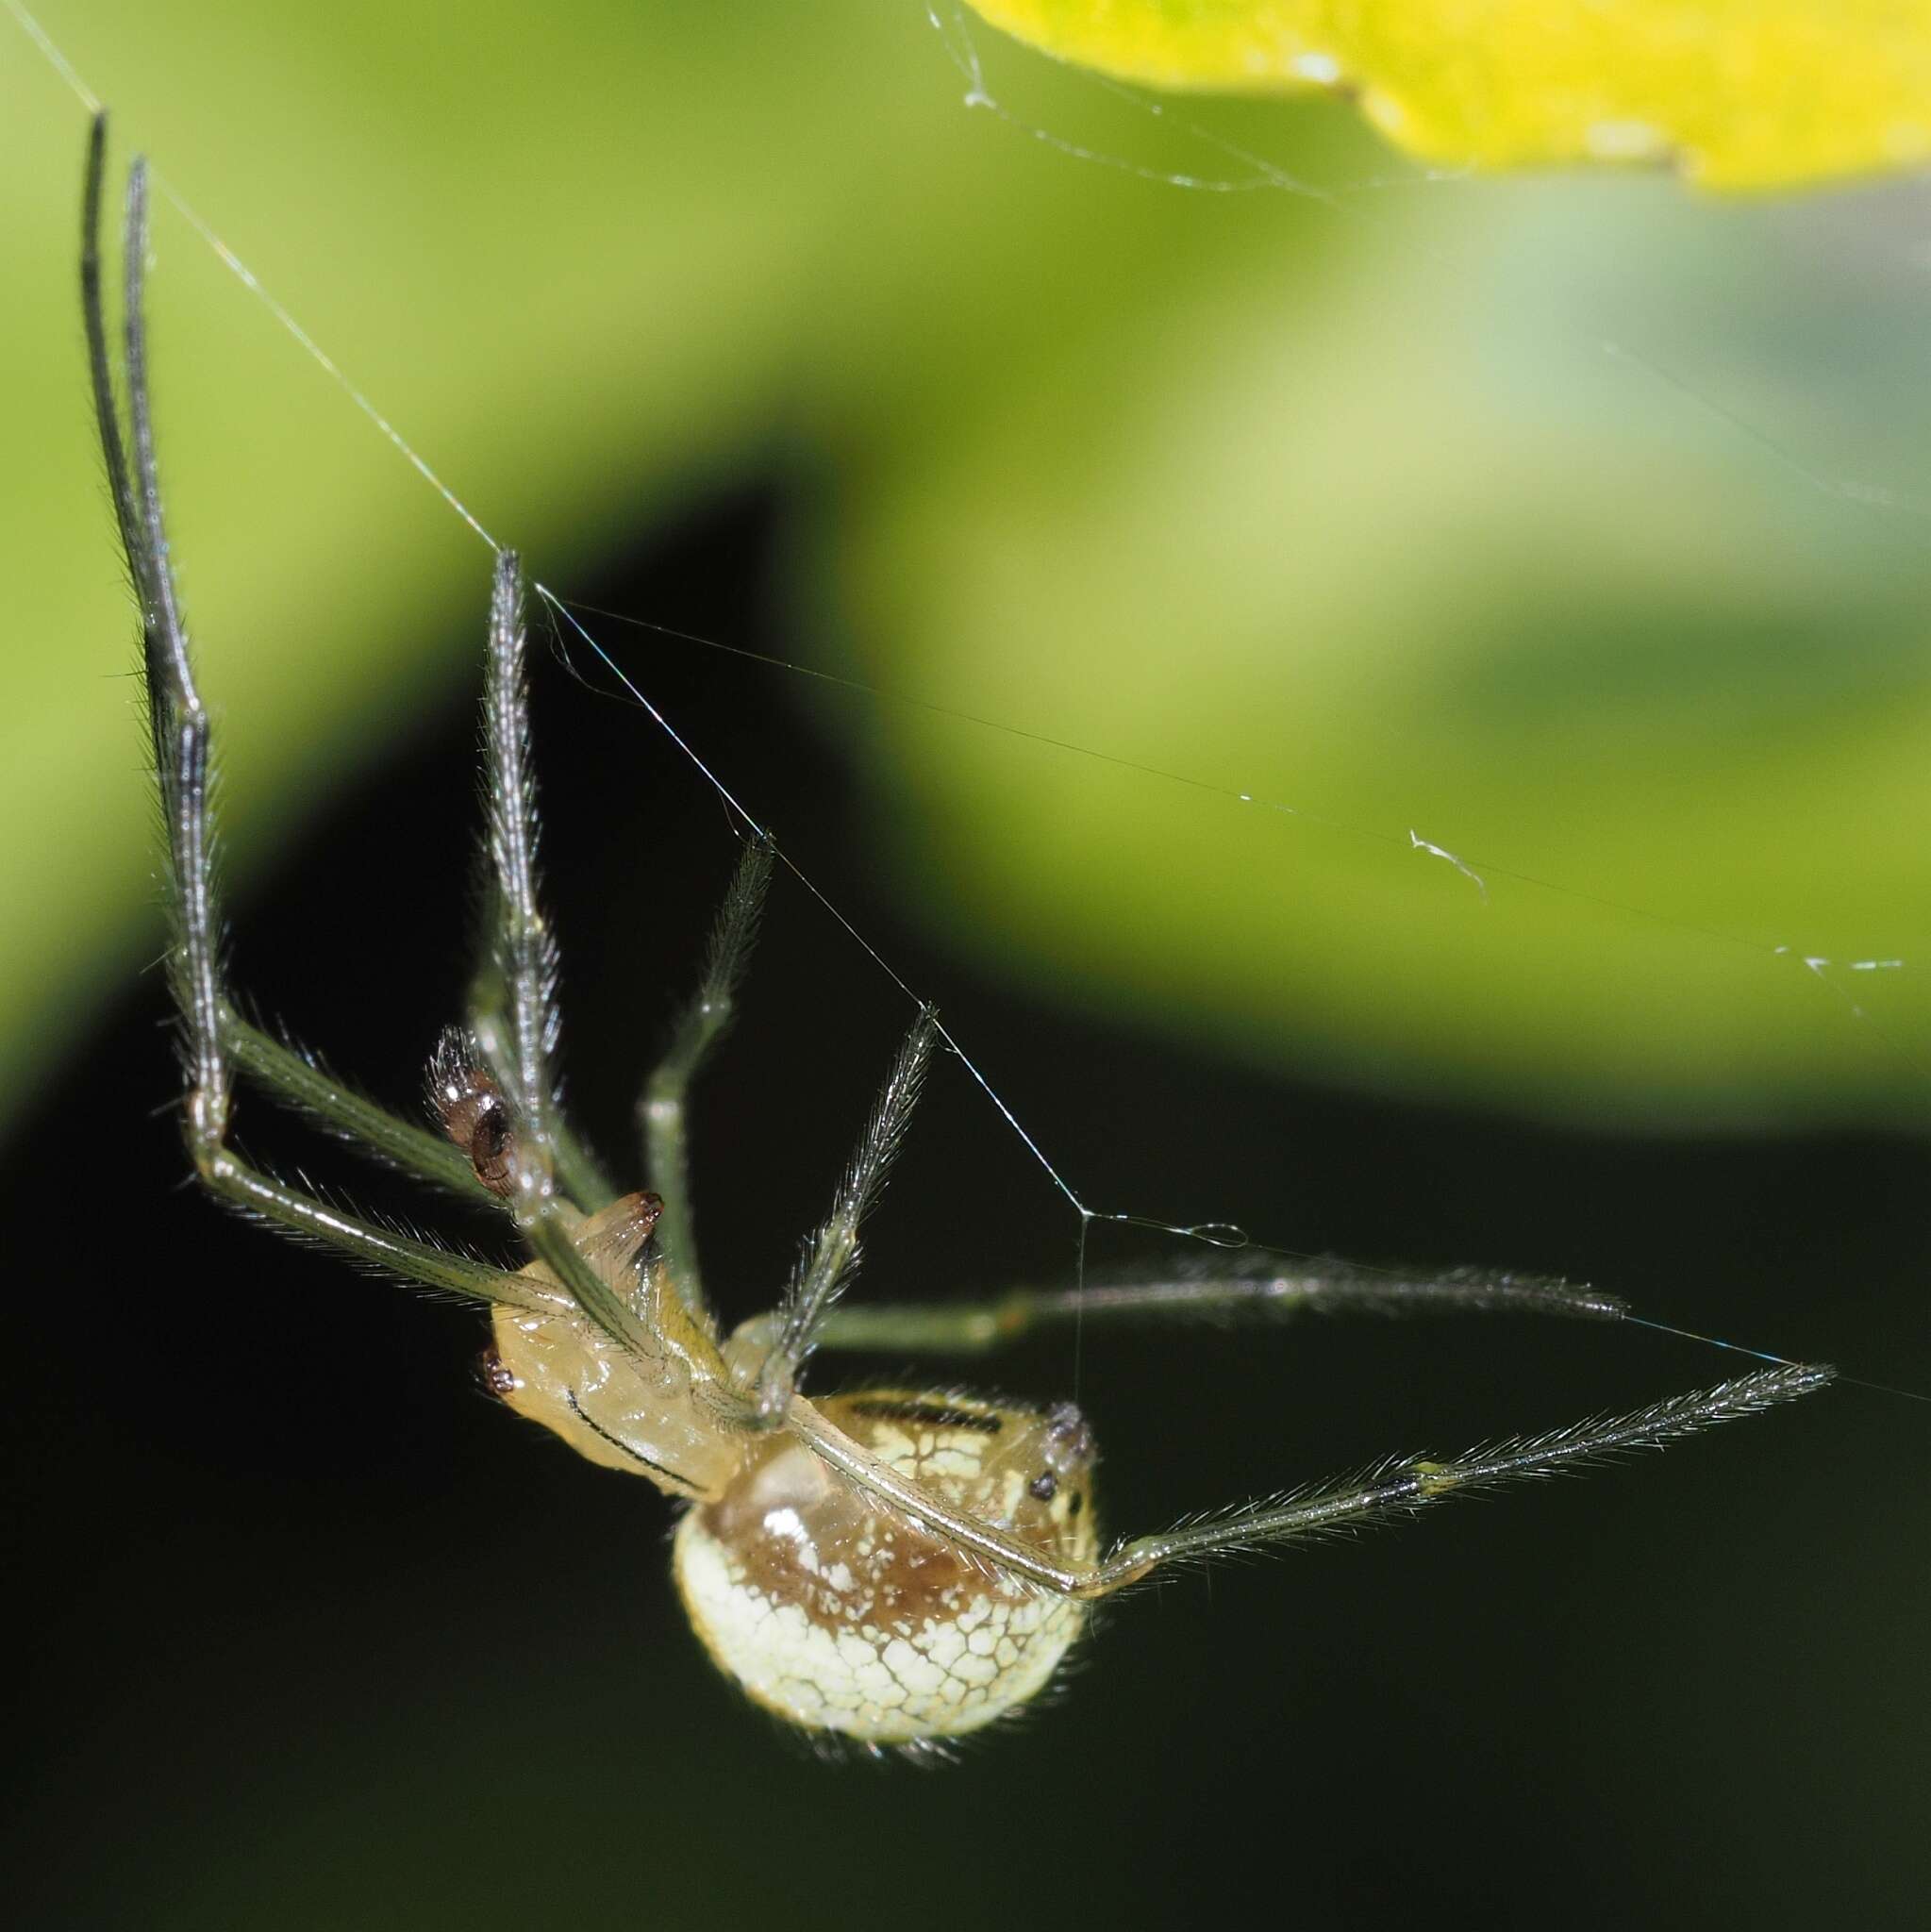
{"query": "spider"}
pixel 895 1566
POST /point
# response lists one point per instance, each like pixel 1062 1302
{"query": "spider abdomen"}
pixel 840 1614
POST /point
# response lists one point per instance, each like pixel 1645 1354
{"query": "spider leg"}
pixel 291 1076
pixel 1397 1488
pixel 1266 1289
pixel 307 1217
pixel 832 1253
pixel 513 1016
pixel 514 998
pixel 661 1109
pixel 1401 1486
pixel 178 725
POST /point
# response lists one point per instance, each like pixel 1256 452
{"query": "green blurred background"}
pixel 1574 524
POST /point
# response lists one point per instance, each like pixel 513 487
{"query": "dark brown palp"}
pixel 471 1109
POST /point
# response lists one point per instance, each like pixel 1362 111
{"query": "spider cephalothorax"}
pixel 898 1565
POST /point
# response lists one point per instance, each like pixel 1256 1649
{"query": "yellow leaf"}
pixel 1735 93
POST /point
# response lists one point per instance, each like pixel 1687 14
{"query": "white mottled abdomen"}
pixel 823 1658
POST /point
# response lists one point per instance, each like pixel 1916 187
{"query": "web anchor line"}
pixel 1220 1234
pixel 1763 1354
pixel 755 826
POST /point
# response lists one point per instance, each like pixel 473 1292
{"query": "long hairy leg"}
pixel 1269 1288
pixel 1400 1487
pixel 1396 1488
pixel 831 1256
pixel 180 733
pixel 513 1014
pixel 661 1109
pixel 513 1018
pixel 307 1085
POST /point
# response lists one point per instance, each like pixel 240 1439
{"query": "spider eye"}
pixel 495 1376
pixel 1045 1486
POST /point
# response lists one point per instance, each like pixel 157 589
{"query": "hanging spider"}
pixel 894 1565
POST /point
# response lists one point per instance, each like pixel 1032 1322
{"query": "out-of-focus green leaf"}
pixel 1738 94
pixel 1664 690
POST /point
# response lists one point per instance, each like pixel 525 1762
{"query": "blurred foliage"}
pixel 1575 526
pixel 1736 93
